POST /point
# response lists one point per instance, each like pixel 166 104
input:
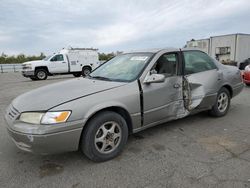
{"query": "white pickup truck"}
pixel 76 61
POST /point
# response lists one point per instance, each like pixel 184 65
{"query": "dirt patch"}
pixel 75 185
pixel 138 136
pixel 159 147
pixel 217 143
pixel 134 150
pixel 49 169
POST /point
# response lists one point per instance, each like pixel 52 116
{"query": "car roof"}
pixel 156 50
pixel 153 50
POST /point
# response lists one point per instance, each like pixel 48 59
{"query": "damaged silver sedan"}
pixel 129 93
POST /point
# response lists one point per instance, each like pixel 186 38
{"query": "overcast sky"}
pixel 34 26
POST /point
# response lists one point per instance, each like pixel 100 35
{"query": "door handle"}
pixel 177 86
pixel 63 62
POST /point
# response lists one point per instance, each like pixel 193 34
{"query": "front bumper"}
pixel 49 143
pixel 43 139
pixel 28 73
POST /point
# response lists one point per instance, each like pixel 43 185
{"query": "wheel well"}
pixel 43 67
pixel 124 113
pixel 229 88
pixel 87 66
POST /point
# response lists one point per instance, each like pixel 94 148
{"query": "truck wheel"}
pixel 222 104
pixel 77 74
pixel 104 137
pixel 248 85
pixel 86 71
pixel 41 74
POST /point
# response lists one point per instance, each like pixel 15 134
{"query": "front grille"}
pixel 13 113
pixel 25 67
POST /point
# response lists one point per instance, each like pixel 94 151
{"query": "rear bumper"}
pixel 237 89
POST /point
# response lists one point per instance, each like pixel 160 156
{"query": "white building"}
pixel 202 44
pixel 232 47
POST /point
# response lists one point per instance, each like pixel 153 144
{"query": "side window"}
pixel 58 57
pixel 167 65
pixel 196 61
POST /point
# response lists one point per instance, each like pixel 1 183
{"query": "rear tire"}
pixel 222 104
pixel 248 85
pixel 104 136
pixel 86 71
pixel 41 74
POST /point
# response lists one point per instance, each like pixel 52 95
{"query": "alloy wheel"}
pixel 222 102
pixel 108 137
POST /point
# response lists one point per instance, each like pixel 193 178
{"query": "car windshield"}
pixel 125 67
pixel 47 58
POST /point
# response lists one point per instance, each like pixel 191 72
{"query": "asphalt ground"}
pixel 197 151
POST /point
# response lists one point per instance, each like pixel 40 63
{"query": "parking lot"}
pixel 197 151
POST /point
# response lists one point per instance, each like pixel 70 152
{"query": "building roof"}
pixel 230 35
pixel 219 36
pixel 198 40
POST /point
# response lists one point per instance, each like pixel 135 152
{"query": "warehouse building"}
pixel 225 48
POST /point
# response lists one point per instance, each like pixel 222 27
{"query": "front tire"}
pixel 222 104
pixel 104 137
pixel 41 74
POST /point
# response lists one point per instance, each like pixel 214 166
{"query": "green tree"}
pixel 21 58
pixel 106 57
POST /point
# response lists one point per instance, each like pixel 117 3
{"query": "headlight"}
pixel 55 117
pixel 45 118
pixel 27 66
pixel 31 117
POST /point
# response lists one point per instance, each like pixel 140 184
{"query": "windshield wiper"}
pixel 100 78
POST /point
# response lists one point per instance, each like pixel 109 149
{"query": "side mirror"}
pixel 154 78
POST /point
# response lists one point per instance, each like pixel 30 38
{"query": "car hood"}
pixel 32 62
pixel 47 97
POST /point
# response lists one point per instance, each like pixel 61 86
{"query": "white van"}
pixel 76 61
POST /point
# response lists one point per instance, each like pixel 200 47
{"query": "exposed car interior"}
pixel 166 65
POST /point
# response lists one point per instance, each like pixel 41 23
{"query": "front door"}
pixel 163 101
pixel 202 80
pixel 58 64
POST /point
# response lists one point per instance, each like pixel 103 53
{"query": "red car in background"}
pixel 246 75
pixel 245 71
